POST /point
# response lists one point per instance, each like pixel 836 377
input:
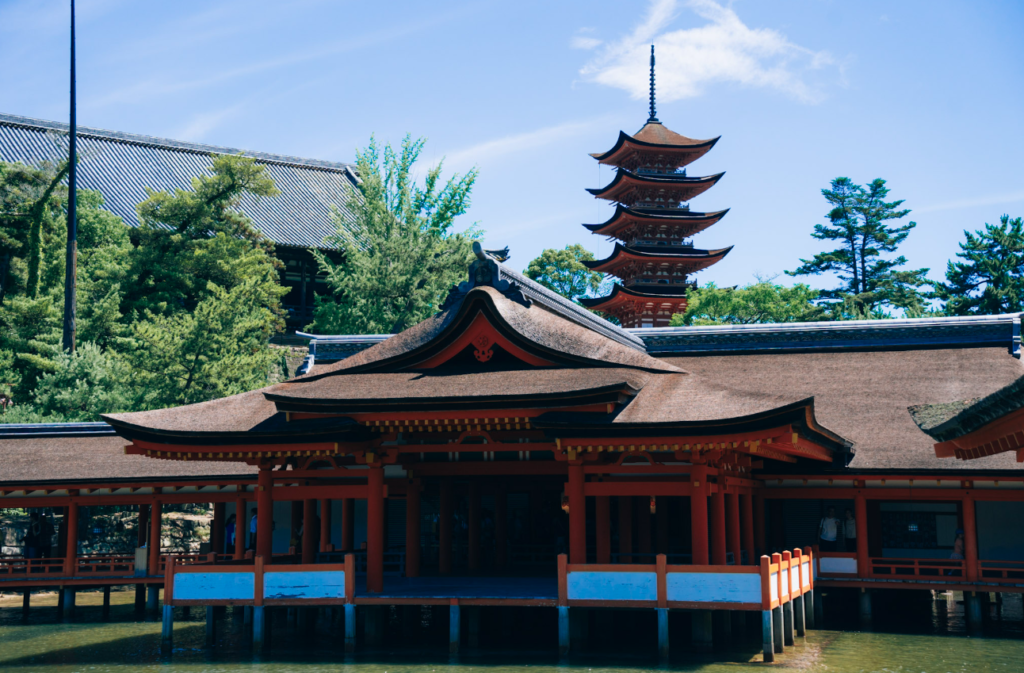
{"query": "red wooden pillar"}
pixel 643 526
pixel 155 520
pixel 759 538
pixel 699 516
pixel 718 549
pixel 217 528
pixel 241 527
pixel 444 524
pixel 71 548
pixel 732 523
pixel 348 524
pixel 375 530
pixel 970 541
pixel 577 515
pixel 603 528
pixel 265 515
pixel 500 526
pixel 325 524
pixel 625 529
pixel 474 523
pixel 747 512
pixel 661 525
pixel 412 529
pixel 860 512
pixel 308 535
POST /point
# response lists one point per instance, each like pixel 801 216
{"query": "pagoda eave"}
pixel 656 140
pixel 628 188
pixel 688 222
pixel 622 255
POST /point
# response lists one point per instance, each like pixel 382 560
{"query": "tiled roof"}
pixel 122 165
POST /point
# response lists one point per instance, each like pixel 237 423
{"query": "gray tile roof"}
pixel 122 165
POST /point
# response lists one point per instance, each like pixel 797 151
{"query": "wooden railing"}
pixel 105 565
pixel 1005 572
pixel 775 581
pixel 914 568
pixel 35 566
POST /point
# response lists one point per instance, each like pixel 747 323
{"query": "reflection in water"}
pixel 909 632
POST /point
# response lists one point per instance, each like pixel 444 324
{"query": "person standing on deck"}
pixel 849 531
pixel 828 530
pixel 46 532
pixel 229 534
pixel 252 532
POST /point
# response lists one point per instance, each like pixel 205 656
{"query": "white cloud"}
pixel 201 124
pixel 723 50
pixel 520 142
pixel 584 40
pixel 975 202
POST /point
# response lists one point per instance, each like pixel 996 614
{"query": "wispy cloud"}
pixel 201 124
pixel 723 50
pixel 974 202
pixel 520 142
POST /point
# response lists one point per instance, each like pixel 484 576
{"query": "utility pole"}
pixel 71 261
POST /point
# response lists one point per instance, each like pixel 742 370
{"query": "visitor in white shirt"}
pixel 828 530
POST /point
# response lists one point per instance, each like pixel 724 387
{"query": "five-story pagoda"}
pixel 652 223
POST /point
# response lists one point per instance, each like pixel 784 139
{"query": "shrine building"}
pixel 516 453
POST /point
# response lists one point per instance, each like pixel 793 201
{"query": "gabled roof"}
pixel 122 165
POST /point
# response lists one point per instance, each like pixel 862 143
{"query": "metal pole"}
pixel 71 261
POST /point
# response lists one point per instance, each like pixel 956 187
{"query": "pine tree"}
pixel 859 220
pixel 400 254
pixel 990 279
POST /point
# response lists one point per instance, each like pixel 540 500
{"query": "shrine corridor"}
pixel 907 635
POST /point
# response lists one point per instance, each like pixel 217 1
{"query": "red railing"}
pixel 1007 572
pixel 105 565
pixel 915 568
pixel 34 566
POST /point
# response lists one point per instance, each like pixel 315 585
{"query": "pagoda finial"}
pixel 653 119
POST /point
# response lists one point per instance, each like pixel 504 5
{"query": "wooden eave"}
pixel 999 436
pixel 627 143
pixel 623 254
pixel 625 217
pixel 681 189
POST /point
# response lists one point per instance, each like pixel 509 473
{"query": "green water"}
pixel 909 634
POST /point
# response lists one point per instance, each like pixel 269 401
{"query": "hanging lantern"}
pixel 654 506
pixel 565 503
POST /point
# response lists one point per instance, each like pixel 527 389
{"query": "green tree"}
pixel 221 348
pixel 401 255
pixel 563 271
pixel 990 278
pixel 31 199
pixel 859 219
pixel 84 384
pixel 190 239
pixel 760 302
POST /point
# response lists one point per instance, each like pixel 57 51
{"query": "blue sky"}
pixel 928 95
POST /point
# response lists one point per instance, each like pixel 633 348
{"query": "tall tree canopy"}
pixel 860 220
pixel 401 255
pixel 990 278
pixel 760 302
pixel 563 271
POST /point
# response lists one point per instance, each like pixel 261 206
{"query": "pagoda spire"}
pixel 653 117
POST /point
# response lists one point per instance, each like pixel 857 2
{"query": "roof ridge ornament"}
pixel 653 119
pixel 485 272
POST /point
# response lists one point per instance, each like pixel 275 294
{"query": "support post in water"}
pixel 777 629
pixel 350 628
pixel 152 599
pixel 809 609
pixel 106 602
pixel 167 634
pixel 663 634
pixel 69 602
pixel 767 641
pixel 454 628
pixel 798 616
pixel 563 630
pixel 865 607
pixel 211 635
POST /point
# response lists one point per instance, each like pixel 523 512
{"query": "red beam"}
pixel 490 469
pixel 638 488
pixel 901 493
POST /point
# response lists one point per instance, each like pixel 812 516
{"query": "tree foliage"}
pixel 859 220
pixel 990 278
pixel 401 255
pixel 563 271
pixel 760 302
